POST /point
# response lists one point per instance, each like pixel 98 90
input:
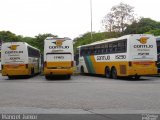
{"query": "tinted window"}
pixel 119 46
pixel 33 52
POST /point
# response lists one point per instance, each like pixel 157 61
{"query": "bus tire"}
pixel 11 77
pixel 137 77
pixel 47 77
pixel 82 70
pixel 32 71
pixel 68 76
pixel 114 73
pixel 107 72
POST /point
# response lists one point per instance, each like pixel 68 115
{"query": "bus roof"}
pixel 110 40
pixel 56 38
pixel 21 43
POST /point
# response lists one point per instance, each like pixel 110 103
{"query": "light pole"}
pixel 91 16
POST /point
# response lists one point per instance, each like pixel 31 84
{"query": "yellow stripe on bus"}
pixel 59 64
pixel 17 69
pixel 59 68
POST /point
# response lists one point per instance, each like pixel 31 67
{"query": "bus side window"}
pixel 158 46
pixel 101 49
pixel 88 51
pixel 91 50
pixel 122 47
pixel 110 48
pixel 33 53
pixel 82 52
pixel 115 46
pixel 95 50
pixel 106 48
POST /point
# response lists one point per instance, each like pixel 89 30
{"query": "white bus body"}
pixel 19 58
pixel 130 55
pixel 58 56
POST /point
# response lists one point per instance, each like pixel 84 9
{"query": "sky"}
pixel 65 18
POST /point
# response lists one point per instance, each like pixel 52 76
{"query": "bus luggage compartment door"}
pixel 59 60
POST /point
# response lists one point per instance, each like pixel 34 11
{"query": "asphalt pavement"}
pixel 80 95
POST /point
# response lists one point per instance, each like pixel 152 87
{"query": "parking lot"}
pixel 80 94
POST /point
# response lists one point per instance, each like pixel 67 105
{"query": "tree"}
pixel 108 22
pixel 142 26
pixel 120 16
pixel 154 32
pixel 85 38
pixel 38 42
pixel 7 36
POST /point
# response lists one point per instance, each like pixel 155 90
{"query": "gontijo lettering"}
pixel 143 46
pixel 58 47
pixel 103 57
pixel 11 52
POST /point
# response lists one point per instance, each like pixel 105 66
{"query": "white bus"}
pixel 131 55
pixel 58 57
pixel 19 58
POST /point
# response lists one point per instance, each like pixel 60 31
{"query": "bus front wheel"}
pixel 114 73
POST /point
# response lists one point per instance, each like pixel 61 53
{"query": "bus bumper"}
pixel 58 71
pixel 142 71
pixel 15 72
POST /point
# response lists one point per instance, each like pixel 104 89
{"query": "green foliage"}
pixel 7 36
pixel 144 25
pixel 154 32
pixel 37 41
pixel 86 38
pixel 27 39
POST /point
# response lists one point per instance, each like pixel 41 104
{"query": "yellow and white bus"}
pixel 20 58
pixel 131 55
pixel 58 57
